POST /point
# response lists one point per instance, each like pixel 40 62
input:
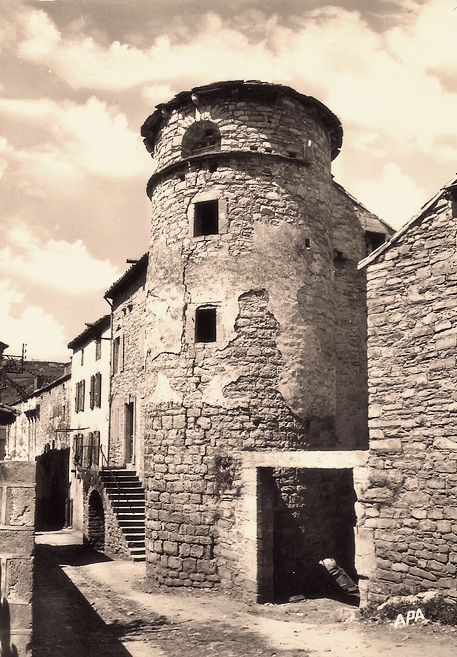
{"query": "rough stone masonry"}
pixel 254 341
pixel 409 501
pixel 17 516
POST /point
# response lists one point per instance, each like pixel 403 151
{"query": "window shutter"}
pixel 83 393
pixel 92 392
pixel 98 390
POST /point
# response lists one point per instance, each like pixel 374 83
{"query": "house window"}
pixel 206 218
pixel 98 349
pixel 373 240
pixel 118 355
pixel 80 393
pixel 95 390
pixel 93 450
pixel 205 325
pixel 82 356
pixel 78 449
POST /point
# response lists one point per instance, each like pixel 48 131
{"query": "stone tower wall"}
pixel 276 124
pixel 269 381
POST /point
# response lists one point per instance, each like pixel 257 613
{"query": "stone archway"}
pixel 96 522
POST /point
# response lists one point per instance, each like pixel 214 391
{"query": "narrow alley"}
pixel 86 604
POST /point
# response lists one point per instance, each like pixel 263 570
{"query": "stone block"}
pixel 170 547
pixel 400 567
pixel 21 643
pixel 427 525
pixel 444 526
pixel 175 563
pixel 449 466
pixel 19 574
pixel 16 472
pixel 21 616
pixel 20 506
pixel 386 445
pixel 19 542
pixel 196 551
pixel 206 566
pixel 422 574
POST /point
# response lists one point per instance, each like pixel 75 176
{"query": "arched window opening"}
pixel 201 137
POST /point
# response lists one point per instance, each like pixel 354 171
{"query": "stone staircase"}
pixel 126 495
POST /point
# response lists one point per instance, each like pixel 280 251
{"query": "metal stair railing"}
pixel 114 477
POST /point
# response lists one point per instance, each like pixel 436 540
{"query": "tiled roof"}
pixel 91 332
pixel 136 270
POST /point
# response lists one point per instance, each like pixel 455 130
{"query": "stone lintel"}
pixel 302 459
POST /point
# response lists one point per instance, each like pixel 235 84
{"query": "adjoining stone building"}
pixel 408 503
pixel 127 297
pixel 255 381
pixel 40 434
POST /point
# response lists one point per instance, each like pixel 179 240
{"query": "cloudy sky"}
pixel 79 77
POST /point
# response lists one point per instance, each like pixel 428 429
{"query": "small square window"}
pixel 206 218
pixel 373 241
pixel 205 325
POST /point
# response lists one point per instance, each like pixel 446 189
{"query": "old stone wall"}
pixel 110 538
pixel 348 241
pixel 127 385
pixel 41 425
pixel 17 512
pixel 286 370
pixel 408 500
pixel 280 126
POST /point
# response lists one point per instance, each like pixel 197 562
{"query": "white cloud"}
pixel 58 264
pixel 395 196
pixel 216 51
pixel 31 325
pixel 387 83
pixel 392 90
pixel 71 139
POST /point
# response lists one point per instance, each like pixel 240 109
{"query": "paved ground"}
pixel 85 604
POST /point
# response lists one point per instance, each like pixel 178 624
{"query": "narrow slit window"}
pixel 205 325
pixel 206 218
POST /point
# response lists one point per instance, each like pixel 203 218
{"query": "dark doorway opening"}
pixel 96 522
pixel 51 489
pixel 313 519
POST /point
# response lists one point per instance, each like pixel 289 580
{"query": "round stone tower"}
pixel 240 328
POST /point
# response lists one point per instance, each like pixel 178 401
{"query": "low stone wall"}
pixel 17 517
pixel 115 544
